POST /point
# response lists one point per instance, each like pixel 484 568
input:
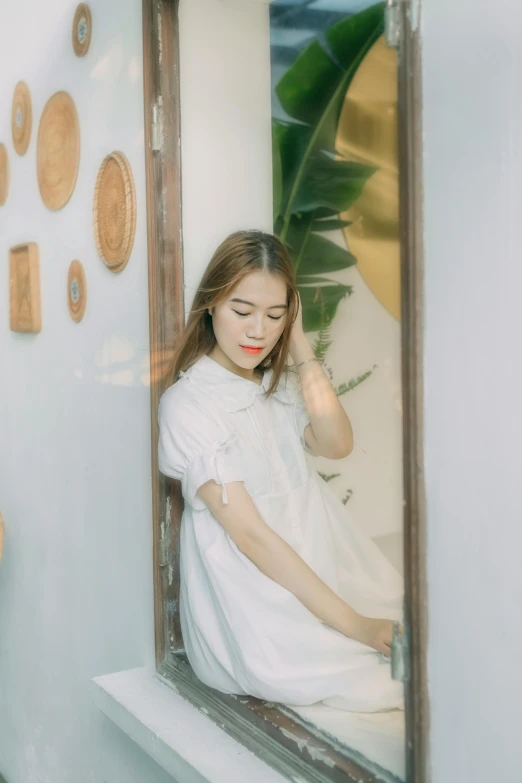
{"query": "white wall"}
pixel 225 126
pixel 472 82
pixel 76 577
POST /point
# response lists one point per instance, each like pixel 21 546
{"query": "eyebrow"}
pixel 243 301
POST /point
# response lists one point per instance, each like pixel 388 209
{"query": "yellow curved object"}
pixel 367 133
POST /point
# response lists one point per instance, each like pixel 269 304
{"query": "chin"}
pixel 249 360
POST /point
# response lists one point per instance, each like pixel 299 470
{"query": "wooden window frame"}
pixel 290 744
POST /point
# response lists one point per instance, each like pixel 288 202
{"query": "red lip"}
pixel 250 349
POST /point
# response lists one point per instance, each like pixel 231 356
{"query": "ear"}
pixel 210 311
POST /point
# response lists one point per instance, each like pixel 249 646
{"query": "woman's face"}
pixel 253 315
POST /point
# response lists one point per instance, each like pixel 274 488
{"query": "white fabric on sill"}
pixel 243 632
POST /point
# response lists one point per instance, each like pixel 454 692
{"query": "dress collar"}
pixel 228 390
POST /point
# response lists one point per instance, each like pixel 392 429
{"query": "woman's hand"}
pixel 377 634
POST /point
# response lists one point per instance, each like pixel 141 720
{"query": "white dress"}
pixel 243 632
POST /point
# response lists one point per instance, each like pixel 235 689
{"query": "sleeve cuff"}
pixel 221 467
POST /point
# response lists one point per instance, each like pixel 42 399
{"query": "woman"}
pixel 282 596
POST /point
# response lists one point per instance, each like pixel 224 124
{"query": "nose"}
pixel 257 331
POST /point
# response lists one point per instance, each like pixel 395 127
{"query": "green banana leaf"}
pixel 311 186
pixel 330 225
pixel 320 303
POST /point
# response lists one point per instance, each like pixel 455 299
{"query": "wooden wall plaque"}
pixel 24 288
pixel 21 118
pixel 82 30
pixel 4 174
pixel 76 291
pixel 58 152
pixel 114 211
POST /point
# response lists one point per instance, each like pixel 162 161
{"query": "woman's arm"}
pixel 331 431
pixel 277 560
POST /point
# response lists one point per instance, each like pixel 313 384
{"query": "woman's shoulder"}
pixel 182 399
pixel 184 406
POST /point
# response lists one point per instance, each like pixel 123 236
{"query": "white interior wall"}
pixel 225 126
pixel 76 576
pixel 472 116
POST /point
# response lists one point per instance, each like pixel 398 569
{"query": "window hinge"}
pixel 157 126
pixel 164 536
pixel 392 23
pixel 400 653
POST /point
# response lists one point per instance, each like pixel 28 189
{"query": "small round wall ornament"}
pixel 76 291
pixel 114 211
pixel 4 174
pixel 82 30
pixel 58 152
pixel 21 118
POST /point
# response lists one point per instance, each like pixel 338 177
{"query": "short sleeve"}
pixel 194 447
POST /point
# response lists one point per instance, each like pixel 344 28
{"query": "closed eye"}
pixel 273 317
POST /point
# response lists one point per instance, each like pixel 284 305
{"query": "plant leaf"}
pixel 320 304
pixel 353 383
pixel 277 174
pixel 308 85
pixel 300 88
pixel 292 141
pixel 321 256
pixel 349 35
pixel 330 225
pixel 297 234
pixel 331 183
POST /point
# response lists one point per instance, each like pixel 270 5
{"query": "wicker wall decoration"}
pixel 58 153
pixel 4 174
pixel 21 118
pixel 114 211
pixel 76 291
pixel 82 30
pixel 24 288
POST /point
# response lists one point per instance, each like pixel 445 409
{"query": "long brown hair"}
pixel 237 256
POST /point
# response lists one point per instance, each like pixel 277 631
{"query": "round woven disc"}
pixel 76 291
pixel 58 153
pixel 114 211
pixel 4 174
pixel 82 30
pixel 21 118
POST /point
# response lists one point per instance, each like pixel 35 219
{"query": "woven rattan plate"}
pixel 82 30
pixel 114 211
pixel 76 291
pixel 4 174
pixel 58 153
pixel 21 118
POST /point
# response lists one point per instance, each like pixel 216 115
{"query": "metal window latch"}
pixel 400 654
pixel 157 126
pixel 392 23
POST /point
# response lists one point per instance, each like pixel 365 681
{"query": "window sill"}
pixel 178 736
